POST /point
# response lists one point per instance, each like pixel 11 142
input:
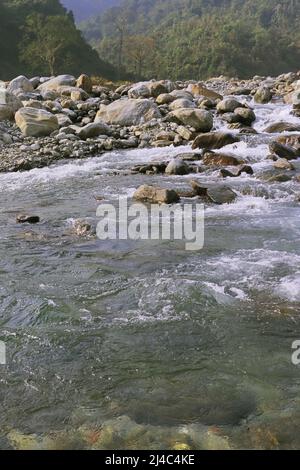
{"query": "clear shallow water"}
pixel 143 344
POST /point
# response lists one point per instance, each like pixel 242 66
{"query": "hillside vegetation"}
pixel 40 37
pixel 191 39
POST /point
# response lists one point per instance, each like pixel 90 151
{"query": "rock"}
pixel 214 140
pixel 76 94
pixel 246 115
pixel 181 103
pixel 263 95
pixel 221 194
pixel 281 178
pixel 224 172
pixel 185 133
pixel 199 119
pixel 26 218
pixel 282 127
pixel 165 98
pixel 189 157
pixel 82 228
pixel 290 140
pixel 177 167
pixel 283 164
pixel 184 94
pixel 20 84
pixel 159 87
pixel 57 82
pixel 198 89
pixel 219 159
pixel 156 195
pixel 128 112
pixel 293 98
pixel 228 105
pixel 199 189
pixel 85 83
pixel 63 120
pixel 9 104
pixel 36 122
pixel 283 151
pixel 93 130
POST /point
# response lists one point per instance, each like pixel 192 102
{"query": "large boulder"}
pixel 177 167
pixel 128 112
pixel 9 105
pixel 20 84
pixel 57 82
pixel 282 126
pixel 181 103
pixel 220 159
pixel 263 95
pixel 199 119
pixel 155 195
pixel 246 115
pixel 85 83
pixel 214 140
pixel 36 122
pixel 93 129
pixel 228 105
pixel 198 89
pixel 284 151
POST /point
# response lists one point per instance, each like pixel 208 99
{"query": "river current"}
pixel 126 345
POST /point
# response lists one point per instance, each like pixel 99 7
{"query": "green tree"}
pixel 46 40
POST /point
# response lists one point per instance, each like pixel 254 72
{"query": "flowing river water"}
pixel 125 345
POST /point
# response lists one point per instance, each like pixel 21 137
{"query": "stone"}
pixel 27 218
pixel 290 140
pixel 9 105
pixel 224 172
pixel 128 112
pixel 185 133
pixel 177 167
pixel 36 122
pixel 199 119
pixel 219 159
pixel 63 120
pixel 283 164
pixel 228 105
pixel 77 94
pixel 85 83
pixel 283 151
pixel 181 103
pixel 198 89
pixel 221 194
pixel 214 140
pixel 20 84
pixel 282 126
pixel 246 115
pixel 159 87
pixel 94 129
pixel 55 83
pixel 263 95
pixel 82 228
pixel 165 98
pixel 156 195
pixel 281 178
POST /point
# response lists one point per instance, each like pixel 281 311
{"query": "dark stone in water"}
pixel 283 151
pixel 25 218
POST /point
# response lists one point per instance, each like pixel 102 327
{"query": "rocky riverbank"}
pixel 43 119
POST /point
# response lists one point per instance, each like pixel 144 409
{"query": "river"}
pixel 124 344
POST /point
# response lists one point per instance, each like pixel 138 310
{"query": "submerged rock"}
pixel 283 151
pixel 282 127
pixel 27 218
pixel 219 159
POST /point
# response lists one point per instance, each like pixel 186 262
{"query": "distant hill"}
pixel 194 39
pixel 37 37
pixel 83 9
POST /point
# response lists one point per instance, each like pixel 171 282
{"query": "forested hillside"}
pixel 190 39
pixel 83 9
pixel 40 37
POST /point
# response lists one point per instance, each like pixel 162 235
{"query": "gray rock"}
pixel 36 122
pixel 156 195
pixel 128 112
pixel 177 167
